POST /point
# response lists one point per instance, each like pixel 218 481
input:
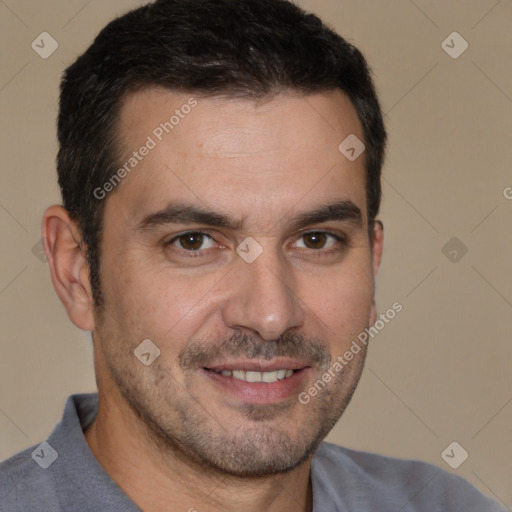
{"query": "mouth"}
pixel 259 383
pixel 251 376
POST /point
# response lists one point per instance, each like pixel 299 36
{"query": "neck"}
pixel 163 482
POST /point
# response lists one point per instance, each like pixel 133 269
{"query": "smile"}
pixel 259 382
pixel 250 376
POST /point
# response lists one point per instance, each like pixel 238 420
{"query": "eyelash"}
pixel 341 239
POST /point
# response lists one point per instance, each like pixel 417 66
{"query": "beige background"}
pixel 440 371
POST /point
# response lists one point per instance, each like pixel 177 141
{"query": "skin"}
pixel 173 435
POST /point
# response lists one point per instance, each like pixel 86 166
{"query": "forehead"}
pixel 273 155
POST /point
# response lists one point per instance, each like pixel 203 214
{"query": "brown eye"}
pixel 315 240
pixel 192 241
pixel 321 241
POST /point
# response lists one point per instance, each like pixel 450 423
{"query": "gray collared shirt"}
pixel 62 474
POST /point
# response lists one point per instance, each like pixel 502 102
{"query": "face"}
pixel 238 244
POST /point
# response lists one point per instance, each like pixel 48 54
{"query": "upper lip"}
pixel 260 366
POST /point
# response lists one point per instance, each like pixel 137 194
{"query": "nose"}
pixel 262 298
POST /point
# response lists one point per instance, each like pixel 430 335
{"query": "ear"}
pixel 377 245
pixel 65 252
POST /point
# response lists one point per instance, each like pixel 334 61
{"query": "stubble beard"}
pixel 179 428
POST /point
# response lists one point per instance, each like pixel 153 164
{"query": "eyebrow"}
pixel 185 213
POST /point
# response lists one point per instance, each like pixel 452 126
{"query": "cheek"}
pixel 342 300
pixel 151 300
pixel 346 314
pixel 153 303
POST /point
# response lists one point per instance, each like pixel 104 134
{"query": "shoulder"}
pixel 22 479
pixel 28 481
pixel 386 483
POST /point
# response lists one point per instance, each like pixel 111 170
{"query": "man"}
pixel 220 170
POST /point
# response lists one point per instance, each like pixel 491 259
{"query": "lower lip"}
pixel 260 392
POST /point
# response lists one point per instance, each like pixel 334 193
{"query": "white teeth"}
pixel 281 374
pixel 253 376
pixel 269 376
pixel 249 376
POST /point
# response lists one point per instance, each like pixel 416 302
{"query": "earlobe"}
pixel 65 252
pixel 377 245
pixel 373 313
pixel 377 248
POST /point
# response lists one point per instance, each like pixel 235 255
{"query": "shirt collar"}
pixel 84 476
pixel 81 483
